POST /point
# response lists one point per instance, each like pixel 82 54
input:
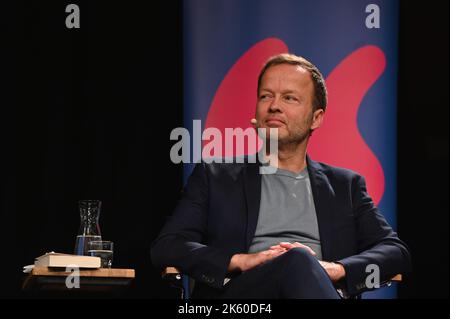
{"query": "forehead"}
pixel 287 76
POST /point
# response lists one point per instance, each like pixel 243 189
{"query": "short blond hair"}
pixel 320 91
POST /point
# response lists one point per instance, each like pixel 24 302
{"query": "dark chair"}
pixel 182 282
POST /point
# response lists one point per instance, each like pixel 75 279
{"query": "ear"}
pixel 317 119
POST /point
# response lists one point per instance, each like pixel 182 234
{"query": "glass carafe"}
pixel 89 227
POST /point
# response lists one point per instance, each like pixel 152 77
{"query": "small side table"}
pixel 102 281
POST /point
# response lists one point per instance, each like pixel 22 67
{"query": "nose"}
pixel 274 105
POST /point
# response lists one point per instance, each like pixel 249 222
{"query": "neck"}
pixel 292 156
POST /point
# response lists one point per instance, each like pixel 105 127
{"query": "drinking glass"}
pixel 103 249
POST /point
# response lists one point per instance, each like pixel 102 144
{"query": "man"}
pixel 307 231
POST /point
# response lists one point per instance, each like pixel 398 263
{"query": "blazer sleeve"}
pixel 377 244
pixel 180 242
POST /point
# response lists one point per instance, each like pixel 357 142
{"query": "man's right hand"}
pixel 244 262
pixel 288 246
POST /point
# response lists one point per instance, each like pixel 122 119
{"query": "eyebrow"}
pixel 283 92
pixel 290 91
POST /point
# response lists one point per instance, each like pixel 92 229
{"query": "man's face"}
pixel 285 101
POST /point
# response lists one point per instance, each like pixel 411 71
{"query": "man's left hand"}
pixel 335 271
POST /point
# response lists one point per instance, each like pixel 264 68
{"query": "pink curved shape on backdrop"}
pixel 339 141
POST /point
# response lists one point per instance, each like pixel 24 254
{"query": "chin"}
pixel 282 134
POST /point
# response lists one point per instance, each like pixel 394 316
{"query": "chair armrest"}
pixel 174 277
pixel 170 272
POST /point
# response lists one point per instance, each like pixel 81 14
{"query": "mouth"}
pixel 274 122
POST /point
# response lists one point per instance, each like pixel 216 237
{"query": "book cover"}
pixel 63 260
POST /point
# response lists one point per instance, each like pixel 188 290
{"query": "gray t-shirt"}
pixel 287 212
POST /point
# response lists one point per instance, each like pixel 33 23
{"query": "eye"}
pixel 290 98
pixel 264 96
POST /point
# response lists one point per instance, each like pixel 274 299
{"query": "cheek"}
pixel 292 117
pixel 260 109
pixel 298 119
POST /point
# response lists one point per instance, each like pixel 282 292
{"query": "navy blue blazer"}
pixel 218 213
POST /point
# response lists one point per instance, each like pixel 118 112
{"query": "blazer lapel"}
pixel 252 188
pixel 323 194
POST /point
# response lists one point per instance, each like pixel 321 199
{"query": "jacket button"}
pixel 207 279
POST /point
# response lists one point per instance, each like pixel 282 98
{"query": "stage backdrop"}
pixel 354 44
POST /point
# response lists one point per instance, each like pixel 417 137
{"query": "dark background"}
pixel 423 132
pixel 86 114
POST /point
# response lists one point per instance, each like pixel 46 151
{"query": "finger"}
pixel 276 253
pixel 277 248
pixel 271 253
pixel 286 245
pixel 279 253
pixel 297 244
pixel 312 252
